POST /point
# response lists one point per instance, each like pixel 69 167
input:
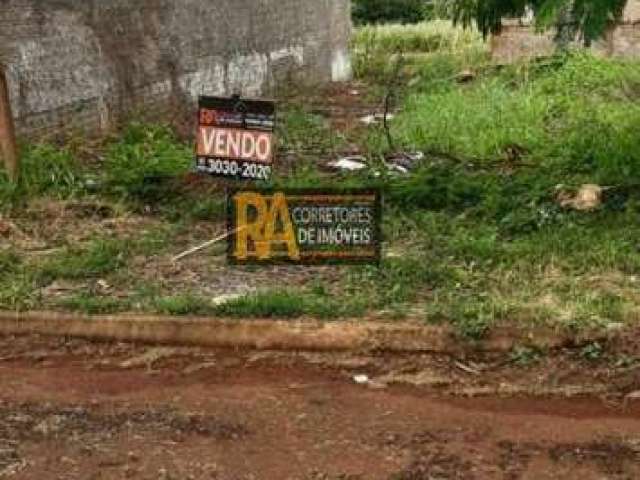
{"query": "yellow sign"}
pixel 307 226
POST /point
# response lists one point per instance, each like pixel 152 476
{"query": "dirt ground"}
pixel 73 409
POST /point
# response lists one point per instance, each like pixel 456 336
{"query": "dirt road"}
pixel 72 409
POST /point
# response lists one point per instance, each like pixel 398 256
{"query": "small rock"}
pixel 376 118
pixel 405 161
pixel 393 167
pixel 148 358
pixel 226 298
pixel 368 119
pixel 465 76
pixel 423 378
pixel 133 457
pixel 198 367
pixel 58 288
pixel 361 379
pixel 351 164
pixel 588 197
pixel 380 116
pixel 633 396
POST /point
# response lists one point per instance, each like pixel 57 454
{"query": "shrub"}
pixel 140 164
pixel 46 169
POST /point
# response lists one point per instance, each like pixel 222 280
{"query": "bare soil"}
pixel 72 409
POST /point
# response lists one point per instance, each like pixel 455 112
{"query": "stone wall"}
pixel 86 63
pixel 518 39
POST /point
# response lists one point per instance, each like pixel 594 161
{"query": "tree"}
pixel 590 18
pixel 384 11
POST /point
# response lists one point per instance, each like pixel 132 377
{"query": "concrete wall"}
pixel 518 40
pixel 85 63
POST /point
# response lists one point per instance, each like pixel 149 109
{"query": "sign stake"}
pixel 8 149
pixel 206 244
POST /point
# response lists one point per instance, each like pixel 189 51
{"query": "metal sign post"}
pixel 8 149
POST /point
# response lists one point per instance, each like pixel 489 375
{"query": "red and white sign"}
pixel 235 138
pixel 231 143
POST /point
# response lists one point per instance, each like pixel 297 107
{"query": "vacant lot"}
pixel 490 227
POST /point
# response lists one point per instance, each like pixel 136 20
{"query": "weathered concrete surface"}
pixel 256 334
pixel 84 63
pixel 519 40
pixel 268 334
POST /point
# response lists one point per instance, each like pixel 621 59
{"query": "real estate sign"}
pixel 304 226
pixel 236 137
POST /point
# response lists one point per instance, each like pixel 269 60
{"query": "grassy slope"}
pixel 475 236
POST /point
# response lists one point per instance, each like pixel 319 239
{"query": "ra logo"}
pixel 208 117
pixel 263 227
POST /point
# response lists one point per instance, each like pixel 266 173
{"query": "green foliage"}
pixel 471 314
pixel 94 304
pixel 142 164
pixel 386 11
pixel 573 118
pixel 373 45
pixel 305 133
pixel 398 280
pixel 9 262
pixel 46 169
pixel 204 209
pixel 589 17
pixel 291 304
pixel 424 37
pixel 592 351
pixel 186 304
pixel 17 284
pixel 18 292
pixel 281 304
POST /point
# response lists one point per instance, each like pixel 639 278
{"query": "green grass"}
pixel 46 170
pixel 480 230
pixel 141 165
pixel 375 47
pixel 94 304
pixel 184 304
pixel 279 304
pixel 302 132
pixel 291 304
pixel 17 283
pixel 9 262
pixel 572 117
pixel 98 258
pixel 425 37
